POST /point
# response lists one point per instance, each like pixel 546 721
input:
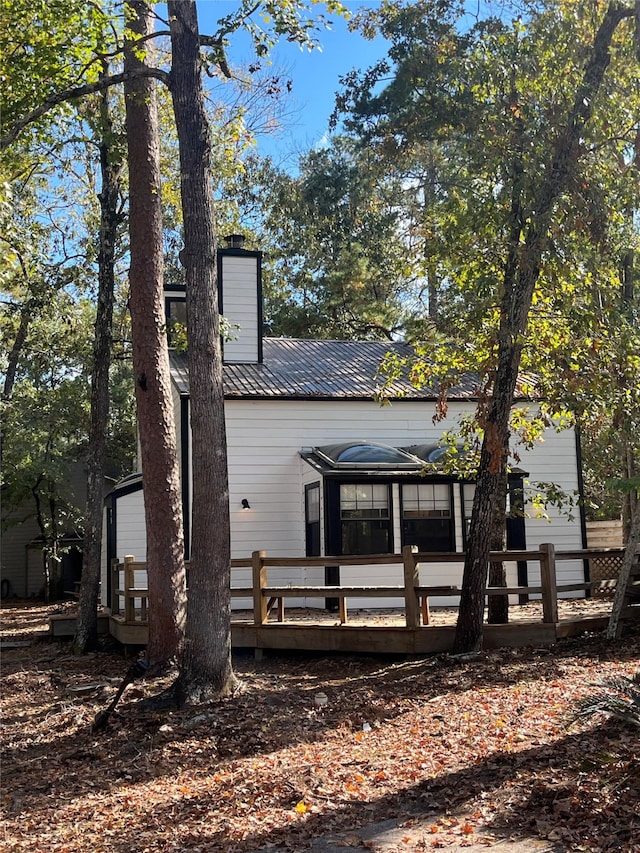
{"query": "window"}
pixel 176 317
pixel 365 518
pixel 427 520
pixel 312 519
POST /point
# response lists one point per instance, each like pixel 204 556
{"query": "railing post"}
pixel 129 609
pixel 411 582
pixel 342 610
pixel 260 609
pixel 549 583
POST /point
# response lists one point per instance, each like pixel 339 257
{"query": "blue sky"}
pixel 314 74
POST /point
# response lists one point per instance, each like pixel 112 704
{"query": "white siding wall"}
pixel 240 307
pixel 554 460
pixel 131 538
pixel 130 527
pixel 264 439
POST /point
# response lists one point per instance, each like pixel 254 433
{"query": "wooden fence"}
pixel 129 603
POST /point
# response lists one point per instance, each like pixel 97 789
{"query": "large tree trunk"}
pixel 161 479
pixel 110 168
pixel 206 668
pixel 522 269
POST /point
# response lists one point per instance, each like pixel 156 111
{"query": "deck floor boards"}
pixel 384 631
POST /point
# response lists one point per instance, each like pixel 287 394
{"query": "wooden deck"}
pixel 420 627
pixel 383 632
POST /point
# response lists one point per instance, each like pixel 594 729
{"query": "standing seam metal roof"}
pixel 317 369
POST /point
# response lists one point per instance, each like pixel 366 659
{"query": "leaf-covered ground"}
pixel 446 754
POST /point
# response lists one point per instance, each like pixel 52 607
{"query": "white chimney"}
pixel 240 300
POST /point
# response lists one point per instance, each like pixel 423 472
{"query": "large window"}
pixel 365 518
pixel 427 520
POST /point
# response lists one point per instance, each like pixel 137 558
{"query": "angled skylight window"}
pixel 364 454
pixel 434 453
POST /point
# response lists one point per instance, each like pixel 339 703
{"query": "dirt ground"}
pixel 405 755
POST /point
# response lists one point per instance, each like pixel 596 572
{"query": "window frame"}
pixel 429 520
pixel 333 516
pixel 312 528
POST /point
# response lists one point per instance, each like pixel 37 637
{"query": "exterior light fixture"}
pixel 245 504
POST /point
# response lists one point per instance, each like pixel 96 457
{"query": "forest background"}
pixel 391 228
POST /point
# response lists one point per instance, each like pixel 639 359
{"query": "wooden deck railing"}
pixel 135 599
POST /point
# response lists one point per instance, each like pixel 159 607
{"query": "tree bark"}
pixel 614 627
pixel 206 670
pixel 498 605
pixel 522 269
pixel 110 169
pixel 161 479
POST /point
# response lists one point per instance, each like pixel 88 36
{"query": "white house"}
pixel 318 467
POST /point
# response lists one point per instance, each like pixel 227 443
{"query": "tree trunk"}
pixel 630 502
pixel 614 627
pixel 498 605
pixel 206 669
pixel 110 169
pixel 522 269
pixel 161 479
pixel 13 356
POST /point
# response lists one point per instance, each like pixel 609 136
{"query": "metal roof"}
pixel 317 369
